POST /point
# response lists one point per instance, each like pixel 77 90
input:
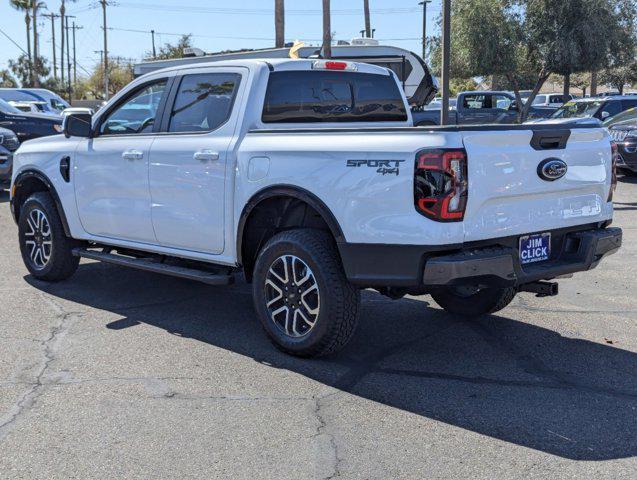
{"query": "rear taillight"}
pixel 440 184
pixel 613 182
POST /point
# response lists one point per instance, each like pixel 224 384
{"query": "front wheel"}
pixel 472 301
pixel 302 296
pixel 46 250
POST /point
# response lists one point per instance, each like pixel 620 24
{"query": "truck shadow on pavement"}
pixel 496 376
pixel 4 196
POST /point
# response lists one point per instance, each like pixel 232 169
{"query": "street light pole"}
pixel 446 60
pixel 424 27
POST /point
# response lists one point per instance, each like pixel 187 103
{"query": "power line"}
pixel 13 41
pixel 189 9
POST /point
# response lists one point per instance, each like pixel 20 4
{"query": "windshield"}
pixel 578 109
pixel 627 116
pixel 6 108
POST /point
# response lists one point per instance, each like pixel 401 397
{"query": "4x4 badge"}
pixel 383 167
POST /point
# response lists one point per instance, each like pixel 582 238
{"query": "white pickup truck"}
pixel 307 177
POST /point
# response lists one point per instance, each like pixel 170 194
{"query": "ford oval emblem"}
pixel 552 169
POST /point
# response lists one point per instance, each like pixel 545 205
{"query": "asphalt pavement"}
pixel 119 373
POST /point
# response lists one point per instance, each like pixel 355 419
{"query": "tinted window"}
pixel 613 108
pixel 324 96
pixel 501 102
pixel 204 102
pixel 626 104
pixel 137 114
pixel 401 69
pixel 578 109
pixel 476 102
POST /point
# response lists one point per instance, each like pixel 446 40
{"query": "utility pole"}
pixel 74 27
pixel 62 39
pixel 68 55
pixel 446 60
pixel 368 26
pixel 53 16
pixel 104 3
pixel 327 30
pixel 424 28
pixel 279 23
pixel 36 66
pixel 152 33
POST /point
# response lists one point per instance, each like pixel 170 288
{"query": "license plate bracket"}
pixel 535 248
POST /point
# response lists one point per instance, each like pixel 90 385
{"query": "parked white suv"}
pixel 307 177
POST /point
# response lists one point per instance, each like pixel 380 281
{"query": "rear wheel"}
pixel 46 250
pixel 472 301
pixel 303 299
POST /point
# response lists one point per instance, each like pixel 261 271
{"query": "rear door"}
pixel 190 159
pixel 507 195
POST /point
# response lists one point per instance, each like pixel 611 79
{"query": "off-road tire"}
pixel 339 303
pixel 62 264
pixel 483 302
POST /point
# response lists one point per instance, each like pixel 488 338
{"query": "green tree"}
pixel 525 41
pixel 120 74
pixel 621 68
pixel 7 80
pixel 169 51
pixel 21 69
pixel 25 6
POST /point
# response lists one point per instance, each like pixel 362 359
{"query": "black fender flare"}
pixel 291 191
pixel 31 173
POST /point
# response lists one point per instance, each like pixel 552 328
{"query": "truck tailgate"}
pixel 507 195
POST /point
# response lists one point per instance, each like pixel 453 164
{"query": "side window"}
pixel 475 102
pixel 204 102
pixel 137 114
pixel 501 102
pixel 327 96
pixel 626 104
pixel 613 108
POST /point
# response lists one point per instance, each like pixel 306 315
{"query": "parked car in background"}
pixel 9 143
pixel 22 95
pixel 550 100
pixel 623 131
pixel 28 125
pixel 475 108
pixel 34 107
pixel 596 107
pixel 54 101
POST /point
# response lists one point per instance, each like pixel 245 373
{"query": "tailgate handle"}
pixel 550 139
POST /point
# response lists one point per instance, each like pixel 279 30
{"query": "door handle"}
pixel 133 155
pixel 206 156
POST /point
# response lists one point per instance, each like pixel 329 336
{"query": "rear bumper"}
pixel 493 263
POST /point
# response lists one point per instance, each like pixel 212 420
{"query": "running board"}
pixel 147 265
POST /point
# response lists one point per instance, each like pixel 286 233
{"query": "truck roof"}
pixel 276 64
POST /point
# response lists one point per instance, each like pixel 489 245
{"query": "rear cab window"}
pixel 332 97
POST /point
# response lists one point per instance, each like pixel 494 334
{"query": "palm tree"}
pixel 279 23
pixel 327 30
pixel 25 6
pixel 35 5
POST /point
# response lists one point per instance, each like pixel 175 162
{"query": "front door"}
pixel 111 169
pixel 189 160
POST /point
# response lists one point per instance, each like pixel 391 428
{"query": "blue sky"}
pixel 215 24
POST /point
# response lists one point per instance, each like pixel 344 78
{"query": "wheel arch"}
pixel 282 193
pixel 31 181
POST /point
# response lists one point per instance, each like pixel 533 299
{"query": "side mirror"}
pixel 605 115
pixel 514 106
pixel 77 125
